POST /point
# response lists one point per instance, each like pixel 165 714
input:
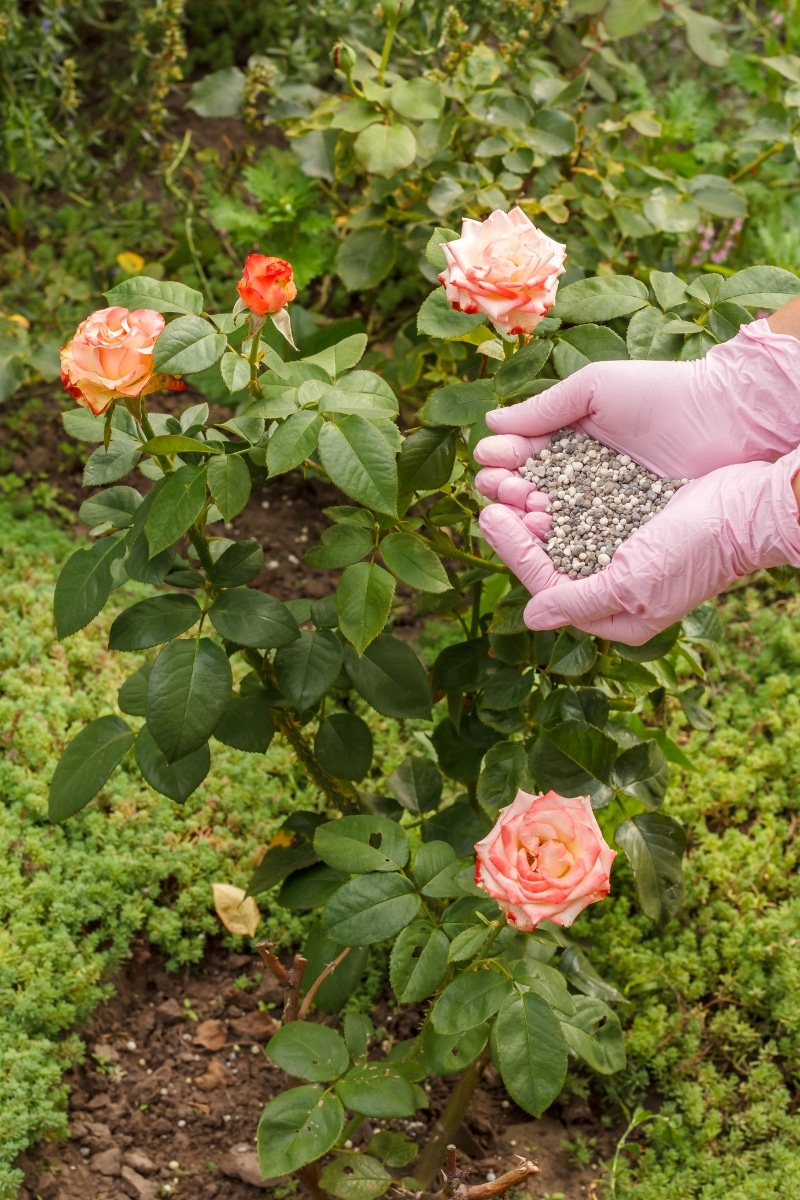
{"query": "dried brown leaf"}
pixel 237 911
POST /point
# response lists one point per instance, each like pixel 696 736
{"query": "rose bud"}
pixel 266 285
pixel 111 357
pixel 344 58
pixel 504 267
pixel 544 860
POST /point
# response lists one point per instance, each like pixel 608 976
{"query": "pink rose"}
pixel 545 860
pixel 111 356
pixel 505 267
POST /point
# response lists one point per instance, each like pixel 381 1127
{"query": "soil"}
pixel 286 516
pixel 168 1098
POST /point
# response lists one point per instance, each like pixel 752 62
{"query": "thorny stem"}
pixel 448 550
pixel 318 982
pixel 330 786
pixel 427 1166
pixel 387 46
pixel 150 433
pixel 252 359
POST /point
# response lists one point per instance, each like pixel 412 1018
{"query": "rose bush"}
pixel 111 356
pixel 545 860
pixel 504 267
pixel 267 284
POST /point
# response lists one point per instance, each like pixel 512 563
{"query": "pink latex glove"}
pixel 740 403
pixel 714 530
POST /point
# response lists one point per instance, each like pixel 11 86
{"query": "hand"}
pixel 714 530
pixel 740 403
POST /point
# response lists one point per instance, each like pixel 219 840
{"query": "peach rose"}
pixel 545 860
pixel 266 285
pixel 111 356
pixel 505 267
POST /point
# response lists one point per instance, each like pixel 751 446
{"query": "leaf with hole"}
pixel 594 1032
pixel 359 844
pixel 308 1051
pixel 297 1127
pixel 355 1177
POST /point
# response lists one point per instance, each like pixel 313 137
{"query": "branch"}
pixel 291 980
pixel 454 1188
pixel 318 982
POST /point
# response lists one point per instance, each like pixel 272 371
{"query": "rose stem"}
pixel 430 1160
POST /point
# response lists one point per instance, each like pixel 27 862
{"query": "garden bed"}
pixel 174 1078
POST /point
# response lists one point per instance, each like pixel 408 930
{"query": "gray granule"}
pixel 598 498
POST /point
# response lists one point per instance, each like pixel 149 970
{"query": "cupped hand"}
pixel 713 531
pixel 741 403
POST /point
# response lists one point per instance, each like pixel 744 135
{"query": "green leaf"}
pixel 363 602
pixel 462 667
pixel 246 723
pixel 361 391
pixel 162 295
pixel 153 622
pixel 642 772
pixel 503 773
pixel 459 403
pixel 418 99
pixel 426 460
pixel 229 483
pixel 578 971
pixel 697 716
pixel 343 746
pixel 293 441
pixel 179 443
pixel 668 289
pixel 572 656
pixel 418 962
pixel 393 1148
pixel 469 1000
pixel 188 345
pixel 308 1051
pixel 311 888
pixel 176 780
pixel 600 298
pixel 132 696
pixel 726 318
pixel 84 585
pixel 705 35
pixel 342 545
pixel 107 466
pixel 361 844
pixel 433 250
pixel 360 461
pixel 279 863
pixel 297 1127
pixel 578 347
pixel 530 1050
pixel 431 859
pixel 355 1177
pixel 86 764
pixel 574 759
pixel 449 1053
pixel 469 943
pixel 115 506
pixel 438 318
pixel 308 667
pixel 551 132
pixel 594 1032
pixel 385 149
pixel 341 356
pixel 365 258
pixel 177 505
pixel 513 378
pixel 417 784
pixel 188 689
pixel 238 564
pixel 669 210
pixel 759 287
pixel 235 371
pixel 655 846
pixel 547 982
pixel 370 908
pixel 411 560
pixel 647 337
pixel 625 17
pixel 458 758
pixel 219 94
pixel 390 677
pixel 377 1089
pixel 252 618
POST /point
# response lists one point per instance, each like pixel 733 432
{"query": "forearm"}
pixel 786 319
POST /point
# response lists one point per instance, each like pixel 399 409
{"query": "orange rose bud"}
pixel 266 285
